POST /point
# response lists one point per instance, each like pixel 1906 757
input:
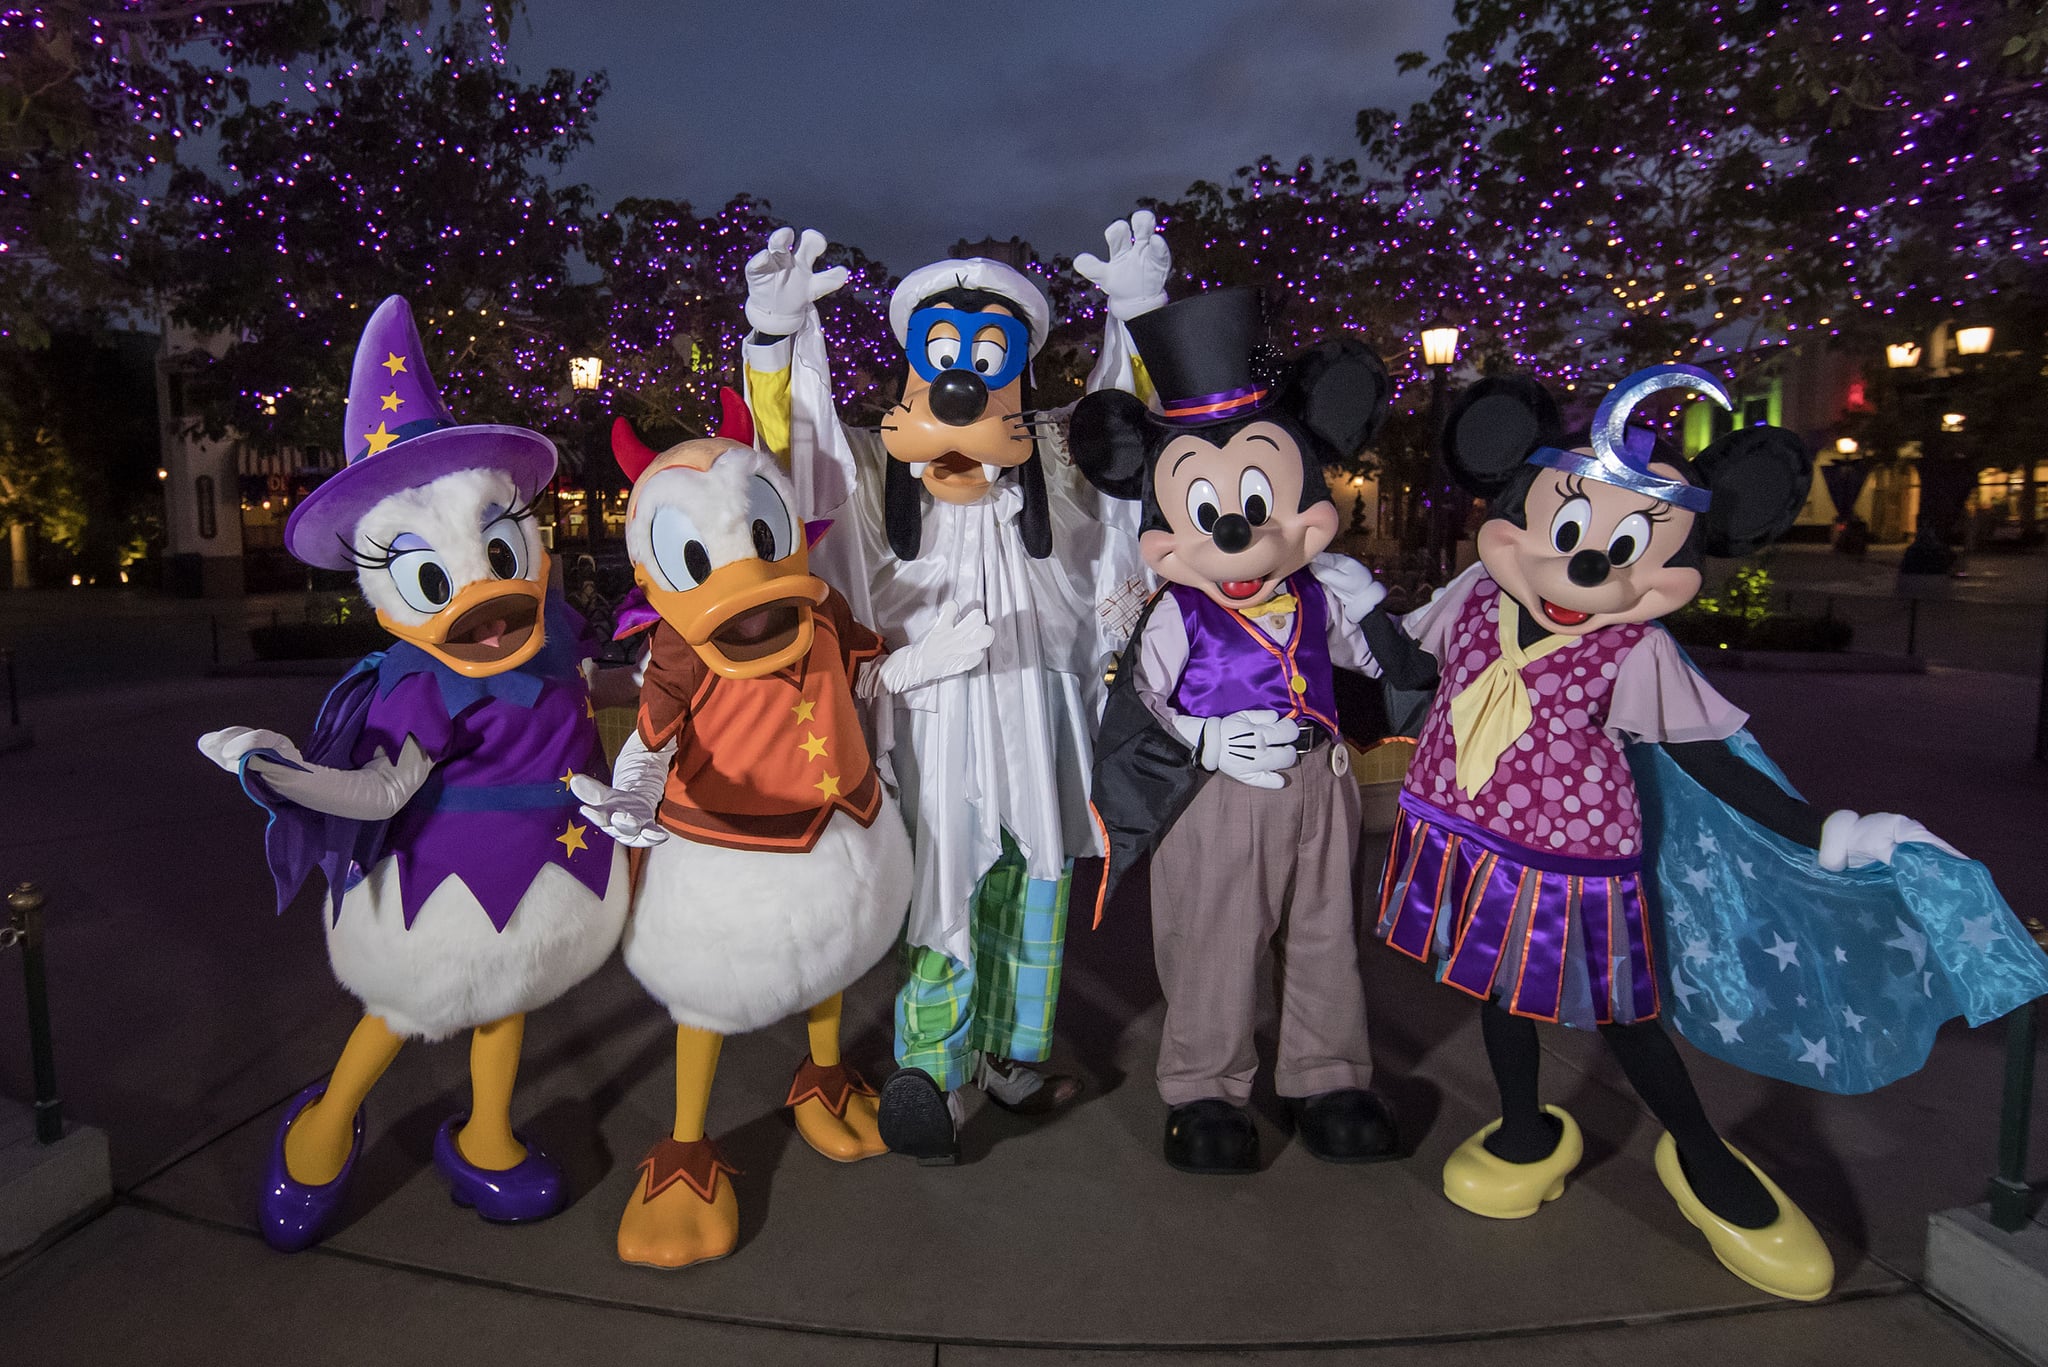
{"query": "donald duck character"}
pixel 434 791
pixel 778 870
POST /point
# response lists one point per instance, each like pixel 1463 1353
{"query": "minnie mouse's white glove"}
pixel 1350 583
pixel 1251 747
pixel 1133 280
pixel 781 287
pixel 1849 841
pixel 625 808
pixel 954 645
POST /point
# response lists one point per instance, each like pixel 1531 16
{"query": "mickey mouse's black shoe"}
pixel 1212 1136
pixel 1350 1125
pixel 915 1118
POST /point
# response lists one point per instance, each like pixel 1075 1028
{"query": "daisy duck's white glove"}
pixel 1350 583
pixel 625 808
pixel 1251 747
pixel 782 287
pixel 955 644
pixel 1849 841
pixel 1133 280
pixel 375 792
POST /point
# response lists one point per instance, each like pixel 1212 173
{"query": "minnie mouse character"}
pixel 1220 744
pixel 1520 858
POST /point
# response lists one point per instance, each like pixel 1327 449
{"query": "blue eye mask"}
pixel 997 360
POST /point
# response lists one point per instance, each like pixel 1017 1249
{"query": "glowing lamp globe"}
pixel 1902 355
pixel 1973 341
pixel 1439 343
pixel 585 373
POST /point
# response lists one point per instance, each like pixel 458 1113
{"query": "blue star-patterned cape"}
pixel 1836 981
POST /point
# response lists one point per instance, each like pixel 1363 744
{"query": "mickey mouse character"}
pixel 1221 741
pixel 1520 857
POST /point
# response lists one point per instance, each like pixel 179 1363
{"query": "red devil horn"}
pixel 734 421
pixel 632 454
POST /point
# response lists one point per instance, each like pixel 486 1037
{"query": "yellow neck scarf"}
pixel 1493 710
pixel 1279 605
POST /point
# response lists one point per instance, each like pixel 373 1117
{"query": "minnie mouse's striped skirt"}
pixel 1550 937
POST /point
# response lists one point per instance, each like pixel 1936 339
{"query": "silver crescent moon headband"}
pixel 1622 458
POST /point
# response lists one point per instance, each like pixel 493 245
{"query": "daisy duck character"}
pixel 1220 749
pixel 777 868
pixel 1586 820
pixel 965 502
pixel 465 890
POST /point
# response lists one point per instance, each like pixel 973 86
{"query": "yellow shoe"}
pixel 1785 1258
pixel 682 1210
pixel 1476 1180
pixel 835 1112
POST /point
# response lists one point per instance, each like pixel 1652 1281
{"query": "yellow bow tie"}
pixel 1280 605
pixel 1493 710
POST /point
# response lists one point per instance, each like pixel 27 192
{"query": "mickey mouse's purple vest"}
pixel 1234 666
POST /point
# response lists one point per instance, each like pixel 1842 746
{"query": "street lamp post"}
pixel 1938 422
pixel 1439 353
pixel 586 373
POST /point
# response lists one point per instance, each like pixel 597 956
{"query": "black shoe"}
pixel 1022 1090
pixel 1349 1125
pixel 1212 1136
pixel 915 1119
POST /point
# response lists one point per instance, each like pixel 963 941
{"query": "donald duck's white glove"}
pixel 375 792
pixel 781 286
pixel 625 808
pixel 1133 280
pixel 1849 841
pixel 955 644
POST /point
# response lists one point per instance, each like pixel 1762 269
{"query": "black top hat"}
pixel 1200 352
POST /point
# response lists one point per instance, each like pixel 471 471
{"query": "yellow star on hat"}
pixel 393 362
pixel 380 438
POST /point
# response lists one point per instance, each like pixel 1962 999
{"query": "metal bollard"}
pixel 2011 1194
pixel 25 928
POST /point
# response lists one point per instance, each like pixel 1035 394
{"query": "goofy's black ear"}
pixel 902 510
pixel 1492 428
pixel 1034 519
pixel 1340 390
pixel 1110 440
pixel 1760 477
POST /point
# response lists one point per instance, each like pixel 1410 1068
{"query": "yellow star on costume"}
pixel 589 709
pixel 828 785
pixel 804 709
pixel 571 840
pixel 391 402
pixel 567 774
pixel 379 439
pixel 393 362
pixel 812 745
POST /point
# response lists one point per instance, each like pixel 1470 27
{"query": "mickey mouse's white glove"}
pixel 1251 747
pixel 1133 280
pixel 1849 841
pixel 372 792
pixel 1350 583
pixel 955 644
pixel 781 286
pixel 626 812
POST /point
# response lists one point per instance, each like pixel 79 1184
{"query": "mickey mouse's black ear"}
pixel 1109 439
pixel 1492 428
pixel 1339 390
pixel 1760 478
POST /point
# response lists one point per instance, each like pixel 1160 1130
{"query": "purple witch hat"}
pixel 397 435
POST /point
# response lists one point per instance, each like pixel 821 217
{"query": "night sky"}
pixel 901 125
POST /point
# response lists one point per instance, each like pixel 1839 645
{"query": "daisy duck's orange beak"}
pixel 488 627
pixel 749 618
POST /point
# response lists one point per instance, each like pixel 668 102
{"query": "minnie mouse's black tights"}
pixel 1651 1062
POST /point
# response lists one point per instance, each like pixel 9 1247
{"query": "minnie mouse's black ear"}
pixel 1492 428
pixel 1339 391
pixel 1760 477
pixel 1110 440
pixel 902 509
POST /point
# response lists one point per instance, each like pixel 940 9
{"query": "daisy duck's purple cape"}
pixel 497 807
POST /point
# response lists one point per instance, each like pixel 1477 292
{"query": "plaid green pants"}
pixel 1002 1002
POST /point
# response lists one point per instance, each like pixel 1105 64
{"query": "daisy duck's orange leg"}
pixel 682 1209
pixel 834 1106
pixel 318 1143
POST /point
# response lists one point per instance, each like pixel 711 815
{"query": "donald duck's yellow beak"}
pixel 749 619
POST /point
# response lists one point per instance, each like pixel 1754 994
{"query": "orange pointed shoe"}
pixel 682 1210
pixel 835 1112
pixel 1787 1257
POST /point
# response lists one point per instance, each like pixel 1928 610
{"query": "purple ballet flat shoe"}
pixel 290 1215
pixel 533 1190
